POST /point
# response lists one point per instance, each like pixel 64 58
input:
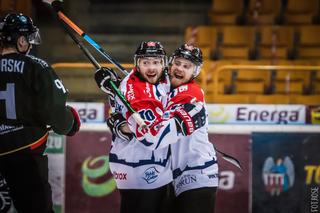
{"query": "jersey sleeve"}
pixel 50 102
pixel 162 131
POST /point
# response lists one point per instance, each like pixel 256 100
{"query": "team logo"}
pixel 130 93
pixel 147 91
pixel 151 175
pixel 186 180
pixel 23 19
pixel 278 176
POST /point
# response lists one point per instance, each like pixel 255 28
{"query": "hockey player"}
pixel 32 98
pixel 142 175
pixel 194 161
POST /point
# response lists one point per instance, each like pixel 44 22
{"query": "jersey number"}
pixel 147 115
pixel 9 99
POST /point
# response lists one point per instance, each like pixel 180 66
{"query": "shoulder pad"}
pixel 39 61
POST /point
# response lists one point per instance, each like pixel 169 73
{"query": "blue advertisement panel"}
pixel 285 172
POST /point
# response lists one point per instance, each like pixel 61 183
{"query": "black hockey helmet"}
pixel 14 25
pixel 150 49
pixel 191 53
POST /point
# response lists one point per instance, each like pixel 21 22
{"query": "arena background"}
pixel 260 76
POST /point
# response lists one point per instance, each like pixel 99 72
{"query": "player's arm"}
pixel 164 128
pixel 51 103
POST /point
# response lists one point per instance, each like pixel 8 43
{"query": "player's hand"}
pixel 76 122
pixel 116 123
pixel 103 77
pixel 190 117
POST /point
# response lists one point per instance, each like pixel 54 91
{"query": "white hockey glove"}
pixel 190 117
pixel 115 122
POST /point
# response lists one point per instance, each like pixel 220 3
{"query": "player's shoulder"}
pixel 38 61
pixel 190 89
pixel 194 86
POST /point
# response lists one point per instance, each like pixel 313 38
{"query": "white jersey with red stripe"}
pixel 194 161
pixel 133 166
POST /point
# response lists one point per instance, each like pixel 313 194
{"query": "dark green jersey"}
pixel 32 97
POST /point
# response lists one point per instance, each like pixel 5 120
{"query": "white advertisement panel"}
pixel 256 114
pixel 90 112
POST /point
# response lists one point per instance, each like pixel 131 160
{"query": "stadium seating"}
pixel 271 99
pixel 226 11
pixel 305 99
pixel 301 12
pixel 79 79
pixel 288 87
pixel 309 42
pixel 237 42
pixel 263 12
pixel 295 44
pixel 275 42
pixel 229 99
pixel 203 36
pixel 24 6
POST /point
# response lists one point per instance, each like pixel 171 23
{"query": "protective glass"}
pixel 34 38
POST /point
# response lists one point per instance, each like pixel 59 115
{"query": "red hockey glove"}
pixel 76 122
pixel 189 118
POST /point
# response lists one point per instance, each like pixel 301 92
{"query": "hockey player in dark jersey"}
pixel 32 101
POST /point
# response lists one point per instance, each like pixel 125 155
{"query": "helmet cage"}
pixel 34 38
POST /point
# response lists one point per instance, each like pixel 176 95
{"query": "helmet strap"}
pixel 196 71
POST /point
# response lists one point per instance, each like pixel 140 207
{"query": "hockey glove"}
pixel 76 122
pixel 103 77
pixel 189 118
pixel 115 122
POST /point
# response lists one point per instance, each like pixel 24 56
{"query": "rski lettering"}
pixel 11 65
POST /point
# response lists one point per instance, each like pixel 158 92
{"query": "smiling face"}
pixel 181 71
pixel 151 68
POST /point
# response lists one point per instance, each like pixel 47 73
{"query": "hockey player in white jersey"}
pixel 194 161
pixel 142 175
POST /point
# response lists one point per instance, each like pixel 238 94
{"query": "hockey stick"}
pixel 57 7
pixel 234 161
pixel 136 116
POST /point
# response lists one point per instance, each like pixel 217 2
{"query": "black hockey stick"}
pixel 57 6
pixel 234 161
pixel 136 116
